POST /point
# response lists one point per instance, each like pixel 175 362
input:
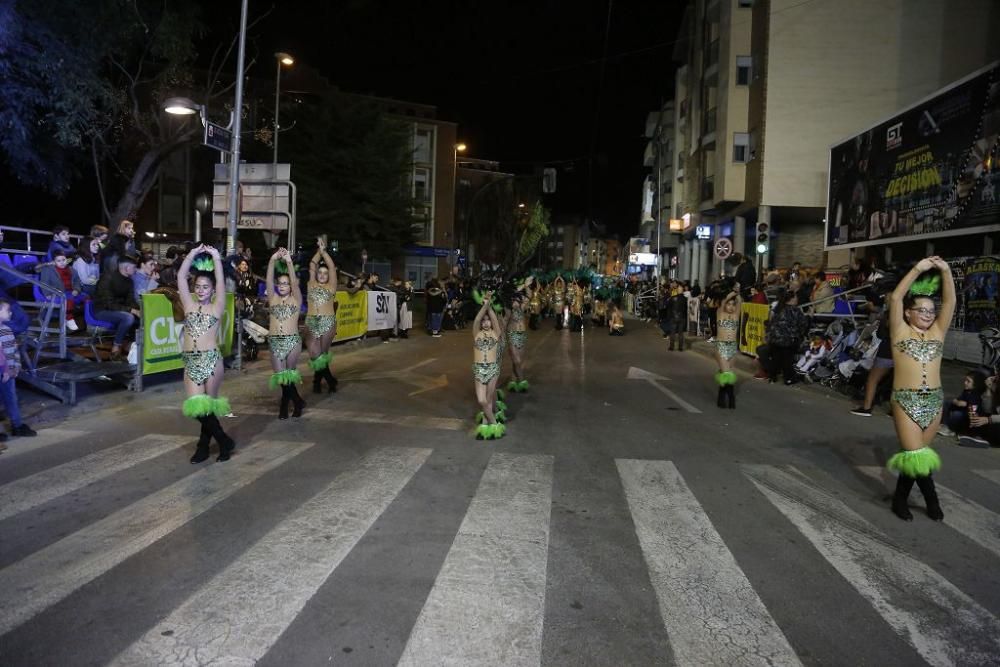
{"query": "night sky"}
pixel 522 79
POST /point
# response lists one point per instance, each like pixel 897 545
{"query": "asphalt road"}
pixel 623 520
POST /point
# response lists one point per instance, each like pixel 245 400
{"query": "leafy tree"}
pixel 505 229
pixel 351 164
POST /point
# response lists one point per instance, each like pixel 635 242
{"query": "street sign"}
pixel 723 248
pixel 265 196
pixel 218 137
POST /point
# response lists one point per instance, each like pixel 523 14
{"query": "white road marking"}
pixel 49 575
pixel 992 475
pixel 488 602
pixel 711 612
pixel 353 416
pixel 656 381
pixel 45 438
pixel 967 517
pixel 942 623
pixel 32 491
pixel 237 617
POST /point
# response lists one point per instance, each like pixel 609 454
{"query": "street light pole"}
pixel 460 148
pixel 234 169
pixel 281 58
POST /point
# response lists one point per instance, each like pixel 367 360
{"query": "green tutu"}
pixel 203 405
pixel 725 377
pixel 290 376
pixel 917 463
pixel 321 362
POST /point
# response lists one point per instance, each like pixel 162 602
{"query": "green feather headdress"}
pixel 281 267
pixel 926 285
pixel 203 263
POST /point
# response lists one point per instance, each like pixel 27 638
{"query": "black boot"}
pixel 721 401
pixel 226 444
pixel 297 402
pixel 330 380
pixel 926 485
pixel 318 382
pixel 900 497
pixel 731 395
pixel 285 399
pixel 201 453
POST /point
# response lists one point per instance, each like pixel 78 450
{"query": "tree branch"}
pixel 100 181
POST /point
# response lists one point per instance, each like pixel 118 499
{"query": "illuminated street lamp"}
pixel 282 58
pixel 460 147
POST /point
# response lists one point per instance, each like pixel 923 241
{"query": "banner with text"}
pixel 752 320
pixel 161 334
pixel 381 310
pixel 352 314
pixel 926 171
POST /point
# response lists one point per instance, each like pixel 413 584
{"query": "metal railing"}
pixel 28 245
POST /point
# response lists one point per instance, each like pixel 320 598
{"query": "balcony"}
pixel 708 122
pixel 711 59
pixel 708 190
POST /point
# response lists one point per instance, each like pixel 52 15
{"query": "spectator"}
pixel 958 411
pixel 168 274
pixel 696 290
pixel 60 276
pixel 786 328
pixel 60 241
pixel 757 294
pixel 99 232
pixel 11 362
pixel 857 274
pixel 822 290
pixel 677 312
pixel 146 277
pixel 87 265
pixel 436 302
pixel 746 276
pixel 115 302
pixel 120 245
pixel 984 428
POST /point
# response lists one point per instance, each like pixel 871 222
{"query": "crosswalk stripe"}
pixel 711 612
pixel 49 575
pixel 45 438
pixel 967 517
pixel 32 491
pixel 942 623
pixel 488 602
pixel 357 417
pixel 238 615
pixel 992 474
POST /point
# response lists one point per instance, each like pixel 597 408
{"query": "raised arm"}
pixel 293 279
pixel 183 286
pixel 269 277
pixel 948 298
pixel 220 280
pixel 497 325
pixel 314 263
pixel 896 320
pixel 331 268
pixel 479 316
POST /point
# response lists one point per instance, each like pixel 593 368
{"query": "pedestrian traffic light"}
pixel 763 238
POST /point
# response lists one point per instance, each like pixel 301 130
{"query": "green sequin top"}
pixel 319 295
pixel 284 311
pixel 484 343
pixel 198 324
pixel 921 350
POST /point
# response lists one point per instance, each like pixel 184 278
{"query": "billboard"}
pixel 927 172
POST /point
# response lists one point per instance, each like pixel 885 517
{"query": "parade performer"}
pixel 917 330
pixel 726 346
pixel 517 336
pixel 558 300
pixel 574 295
pixel 486 368
pixel 285 301
pixel 321 316
pixel 203 369
pixel 535 307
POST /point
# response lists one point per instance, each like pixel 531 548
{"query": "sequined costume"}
pixel 283 344
pixel 319 295
pixel 922 404
pixel 517 339
pixel 727 348
pixel 284 311
pixel 199 365
pixel 320 324
pixel 485 371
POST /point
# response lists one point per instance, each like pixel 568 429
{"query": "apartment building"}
pixel 765 87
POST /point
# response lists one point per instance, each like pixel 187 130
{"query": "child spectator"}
pixel 11 367
pixel 60 241
pixel 955 419
pixel 59 275
pixel 87 265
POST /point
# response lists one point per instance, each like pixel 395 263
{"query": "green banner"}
pixel 161 335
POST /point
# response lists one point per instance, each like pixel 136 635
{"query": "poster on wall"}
pixel 979 293
pixel 929 171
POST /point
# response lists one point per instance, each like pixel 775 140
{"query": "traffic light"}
pixel 763 238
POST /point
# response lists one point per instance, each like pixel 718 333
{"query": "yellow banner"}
pixel 352 314
pixel 752 321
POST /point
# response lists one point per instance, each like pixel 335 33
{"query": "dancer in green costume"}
pixel 486 368
pixel 203 369
pixel 285 302
pixel 726 346
pixel 321 316
pixel 917 328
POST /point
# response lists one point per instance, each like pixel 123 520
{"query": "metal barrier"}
pixel 28 244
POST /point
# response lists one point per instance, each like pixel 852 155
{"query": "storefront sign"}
pixel 381 310
pixel 929 171
pixel 703 232
pixel 752 319
pixel 352 314
pixel 161 334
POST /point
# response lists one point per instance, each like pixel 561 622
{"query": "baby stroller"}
pixel 254 326
pixel 819 361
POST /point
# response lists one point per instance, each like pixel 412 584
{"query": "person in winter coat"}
pixel 436 302
pixel 59 275
pixel 677 314
pixel 786 328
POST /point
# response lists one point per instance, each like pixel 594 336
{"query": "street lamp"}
pixel 281 58
pixel 460 147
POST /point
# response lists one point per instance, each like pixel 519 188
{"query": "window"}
pixel 422 185
pixel 741 147
pixel 746 4
pixel 744 65
pixel 423 145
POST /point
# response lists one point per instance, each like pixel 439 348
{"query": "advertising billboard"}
pixel 929 171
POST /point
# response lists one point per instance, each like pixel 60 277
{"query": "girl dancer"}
pixel 486 368
pixel 726 346
pixel 558 300
pixel 202 361
pixel 285 302
pixel 321 318
pixel 517 336
pixel 917 330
